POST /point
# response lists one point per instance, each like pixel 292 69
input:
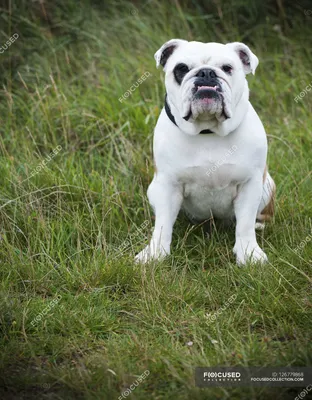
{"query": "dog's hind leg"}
pixel 266 207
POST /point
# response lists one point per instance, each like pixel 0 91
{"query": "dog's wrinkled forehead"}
pixel 195 54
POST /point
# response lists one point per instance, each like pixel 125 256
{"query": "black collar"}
pixel 172 119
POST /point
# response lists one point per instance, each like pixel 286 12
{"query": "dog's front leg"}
pixel 166 198
pixel 245 206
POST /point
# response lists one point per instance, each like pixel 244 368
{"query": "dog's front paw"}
pixel 151 253
pixel 249 252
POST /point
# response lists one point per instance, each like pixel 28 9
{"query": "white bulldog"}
pixel 210 147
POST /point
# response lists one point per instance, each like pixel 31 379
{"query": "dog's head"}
pixel 205 80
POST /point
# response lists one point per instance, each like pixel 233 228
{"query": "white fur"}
pixel 201 173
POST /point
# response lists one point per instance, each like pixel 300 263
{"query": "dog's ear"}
pixel 161 56
pixel 248 58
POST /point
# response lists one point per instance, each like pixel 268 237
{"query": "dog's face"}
pixel 205 80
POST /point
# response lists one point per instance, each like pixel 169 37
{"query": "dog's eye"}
pixel 179 71
pixel 182 68
pixel 227 68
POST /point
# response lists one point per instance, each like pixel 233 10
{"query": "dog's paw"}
pixel 150 253
pixel 249 253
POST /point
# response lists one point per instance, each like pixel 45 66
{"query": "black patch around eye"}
pixel 227 68
pixel 180 70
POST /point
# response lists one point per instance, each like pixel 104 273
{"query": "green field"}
pixel 79 319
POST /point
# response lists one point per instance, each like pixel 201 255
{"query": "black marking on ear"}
pixel 166 54
pixel 244 58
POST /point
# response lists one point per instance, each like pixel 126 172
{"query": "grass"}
pixel 65 230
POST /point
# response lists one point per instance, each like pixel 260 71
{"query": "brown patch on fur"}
pixel 268 211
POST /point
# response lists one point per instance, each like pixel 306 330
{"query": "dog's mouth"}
pixel 207 96
pixel 207 92
pixel 209 88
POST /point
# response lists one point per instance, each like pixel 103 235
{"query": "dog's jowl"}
pixel 210 147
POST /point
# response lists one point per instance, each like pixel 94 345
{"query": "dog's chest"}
pixel 210 190
pixel 208 168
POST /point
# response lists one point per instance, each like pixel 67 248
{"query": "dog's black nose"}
pixel 206 73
